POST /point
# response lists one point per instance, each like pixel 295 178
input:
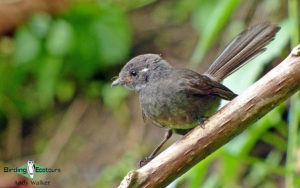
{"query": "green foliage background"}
pixel 50 61
pixel 56 57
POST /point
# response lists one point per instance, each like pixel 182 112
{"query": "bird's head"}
pixel 139 71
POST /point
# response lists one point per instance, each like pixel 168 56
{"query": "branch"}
pixel 264 95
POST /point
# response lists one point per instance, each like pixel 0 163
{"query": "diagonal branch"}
pixel 264 95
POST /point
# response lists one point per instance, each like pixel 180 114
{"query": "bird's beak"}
pixel 116 82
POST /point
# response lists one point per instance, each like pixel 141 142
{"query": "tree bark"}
pixel 264 95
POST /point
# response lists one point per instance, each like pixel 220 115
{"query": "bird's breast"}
pixel 166 105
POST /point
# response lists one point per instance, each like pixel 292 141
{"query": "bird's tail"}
pixel 241 49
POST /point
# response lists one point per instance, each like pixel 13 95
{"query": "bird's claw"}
pixel 201 122
pixel 143 162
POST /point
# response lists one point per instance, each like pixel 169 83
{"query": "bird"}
pixel 179 99
pixel 30 168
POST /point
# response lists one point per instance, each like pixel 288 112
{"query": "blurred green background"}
pixel 58 59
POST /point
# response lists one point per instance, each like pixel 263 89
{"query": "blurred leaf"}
pixel 216 21
pixel 39 24
pixel 65 90
pixel 47 79
pixel 274 140
pixel 95 88
pixel 113 34
pixel 114 96
pixel 297 181
pixel 183 9
pixel 259 172
pixel 230 169
pixel 59 41
pixel 112 39
pixel 84 40
pixel 101 38
pixel 203 10
pixel 211 181
pixel 198 173
pixel 111 173
pixel 27 46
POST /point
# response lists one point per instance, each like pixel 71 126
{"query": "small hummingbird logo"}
pixel 30 168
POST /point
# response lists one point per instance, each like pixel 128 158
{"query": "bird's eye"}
pixel 133 73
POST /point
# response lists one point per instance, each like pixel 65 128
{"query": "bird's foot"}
pixel 201 122
pixel 168 135
pixel 143 162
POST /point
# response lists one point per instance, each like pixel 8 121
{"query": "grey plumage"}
pixel 179 98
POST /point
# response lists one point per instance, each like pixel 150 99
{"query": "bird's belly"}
pixel 178 110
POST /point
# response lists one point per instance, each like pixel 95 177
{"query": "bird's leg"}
pixel 168 135
pixel 201 122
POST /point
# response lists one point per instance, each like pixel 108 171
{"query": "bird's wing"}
pixel 198 84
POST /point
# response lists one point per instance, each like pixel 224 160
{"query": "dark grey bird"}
pixel 180 99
